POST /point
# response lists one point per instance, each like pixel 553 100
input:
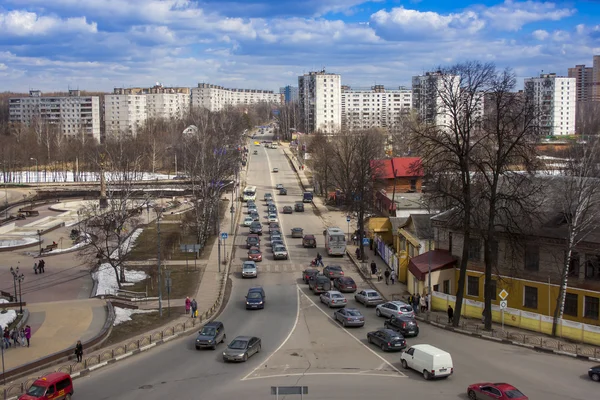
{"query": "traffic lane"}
pixel 477 360
pixel 179 361
pixel 310 224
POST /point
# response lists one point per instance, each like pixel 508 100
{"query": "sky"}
pixel 54 45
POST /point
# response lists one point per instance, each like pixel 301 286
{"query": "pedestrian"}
pixel 27 334
pixel 393 277
pixel 423 304
pixel 14 335
pixel 187 305
pixel 410 299
pixel 22 337
pixel 373 267
pixel 79 351
pixel 6 337
pixel 450 314
pixel 387 276
pixel 378 274
pixel 194 308
pixel 357 253
pixel 35 267
pixel 416 302
pixel 41 266
pixel 319 260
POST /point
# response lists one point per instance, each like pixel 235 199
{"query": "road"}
pixel 302 345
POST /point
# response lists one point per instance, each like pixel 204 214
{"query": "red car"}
pixel 500 391
pixel 345 284
pixel 254 254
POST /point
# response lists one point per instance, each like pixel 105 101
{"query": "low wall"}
pixel 7 228
pixel 521 319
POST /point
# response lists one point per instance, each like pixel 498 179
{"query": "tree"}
pixel 288 119
pixel 578 202
pixel 588 118
pixel 321 162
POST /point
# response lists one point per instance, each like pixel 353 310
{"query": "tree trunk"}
pixel 487 286
pixel 117 275
pixel 562 291
pixel 462 277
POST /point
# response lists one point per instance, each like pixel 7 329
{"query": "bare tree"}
pixel 321 161
pixel 588 118
pixel 578 200
pixel 288 120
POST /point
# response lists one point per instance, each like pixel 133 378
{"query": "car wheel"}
pixel 472 395
pixel 426 374
pixel 329 305
pixel 596 377
pixel 197 348
pixel 383 347
pixel 404 364
pixel 378 313
pixel 369 340
pixel 224 337
pixel 245 358
pixel 344 323
pixel 214 347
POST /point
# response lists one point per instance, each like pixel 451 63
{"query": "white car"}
pixel 249 269
pixel 333 298
pixel 273 218
pixel 279 186
pixel 248 221
pixel 394 308
pixel 275 169
pixel 280 252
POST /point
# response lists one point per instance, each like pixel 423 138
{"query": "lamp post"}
pixel 158 211
pixel 5 191
pixel 36 168
pixel 18 277
pixel 39 232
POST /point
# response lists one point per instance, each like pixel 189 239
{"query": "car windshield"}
pixel 354 313
pixel 334 268
pixel 514 394
pixel 372 294
pixel 254 251
pixel 254 295
pixel 336 295
pixel 249 267
pixel 36 391
pixel 208 331
pixel 238 345
pixel 406 308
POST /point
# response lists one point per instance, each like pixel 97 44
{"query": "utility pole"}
pixel 429 281
pixel 158 214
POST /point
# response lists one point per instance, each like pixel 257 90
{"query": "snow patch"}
pixel 124 314
pixel 17 242
pixel 77 246
pixel 8 317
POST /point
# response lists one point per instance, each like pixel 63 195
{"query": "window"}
pixel 591 307
pixel 65 383
pixel 532 257
pixel 592 267
pixel 446 286
pixel 474 250
pixel 413 184
pixel 573 264
pixel 402 243
pixel 571 306
pixel 531 297
pixel 436 288
pixel 473 286
pixel 450 242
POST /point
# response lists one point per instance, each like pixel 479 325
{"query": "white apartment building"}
pixel 74 115
pixel 216 98
pixel 556 98
pixel 429 92
pixel 167 105
pixel 320 98
pixel 595 81
pixel 374 107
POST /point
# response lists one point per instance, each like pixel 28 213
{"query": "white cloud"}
pixel 24 23
pixel 540 34
pixel 513 15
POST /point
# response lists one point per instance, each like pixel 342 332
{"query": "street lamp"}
pixel 18 277
pixel 39 232
pixel 158 210
pixel 36 169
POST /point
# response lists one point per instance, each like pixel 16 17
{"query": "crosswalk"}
pixel 290 267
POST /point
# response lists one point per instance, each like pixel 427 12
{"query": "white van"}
pixel 428 360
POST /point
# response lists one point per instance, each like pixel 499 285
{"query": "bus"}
pixel 249 193
pixel 335 241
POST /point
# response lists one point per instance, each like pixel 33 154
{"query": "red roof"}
pixel 440 259
pixel 404 166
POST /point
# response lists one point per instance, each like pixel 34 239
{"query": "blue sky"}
pixel 101 44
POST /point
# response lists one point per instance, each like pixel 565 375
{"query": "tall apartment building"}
pixel 74 115
pixel 374 107
pixel 290 93
pixel 428 92
pixel 583 81
pixel 320 98
pixel 596 79
pixel 557 101
pixel 215 98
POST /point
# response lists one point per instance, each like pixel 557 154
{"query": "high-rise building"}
pixel 595 96
pixel 583 81
pixel 374 107
pixel 215 98
pixel 555 97
pixel 428 94
pixel 74 115
pixel 320 98
pixel 290 93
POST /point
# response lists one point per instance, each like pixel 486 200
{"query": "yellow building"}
pixel 441 265
pixel 414 237
pixel 380 226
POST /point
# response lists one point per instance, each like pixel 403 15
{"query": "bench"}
pixel 29 213
pixel 50 247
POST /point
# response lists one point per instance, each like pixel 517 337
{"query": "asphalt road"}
pixel 302 345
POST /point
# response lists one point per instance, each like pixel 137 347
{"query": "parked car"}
pixel 349 317
pixel 288 210
pixel 498 391
pixel 407 326
pixel 309 241
pixel 55 385
pixel 256 298
pixel 387 340
pixel 394 308
pixel 297 232
pixel 280 252
pixel 268 196
pixel 368 297
pixel 273 218
pixel 211 335
pixel 256 227
pixel 273 226
pixel 320 284
pixel 299 206
pixel 333 298
pixel 594 373
pixel 333 271
pixel 241 348
pixel 252 241
pixel 345 284
pixel 428 360
pixel 279 186
pixel 254 254
pixel 249 269
pixel 309 274
pixel 248 221
pixel 283 192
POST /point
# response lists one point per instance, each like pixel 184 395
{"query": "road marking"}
pixel 285 340
pixel 351 335
pixel 388 375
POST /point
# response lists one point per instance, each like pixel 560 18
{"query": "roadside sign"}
pixel 288 390
pixel 366 241
pixel 348 218
pixel 190 248
pixel 503 305
pixel 224 236
pixel 503 294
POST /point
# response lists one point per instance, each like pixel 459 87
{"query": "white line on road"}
pixel 389 375
pixel 351 335
pixel 287 337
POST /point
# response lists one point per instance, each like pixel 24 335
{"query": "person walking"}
pixel 416 302
pixel 319 260
pixel 387 276
pixel 379 275
pixel 6 337
pixel 27 334
pixel 423 304
pixel 393 277
pixel 22 337
pixel 188 303
pixel 35 267
pixel 14 335
pixel 194 308
pixel 79 351
pixel 373 267
pixel 450 314
pixel 42 266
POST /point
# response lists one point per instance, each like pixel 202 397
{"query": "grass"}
pixel 142 323
pixel 182 283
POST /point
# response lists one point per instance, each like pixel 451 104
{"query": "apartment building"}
pixel 320 98
pixel 583 81
pixel 428 94
pixel 74 115
pixel 216 98
pixel 556 99
pixel 290 93
pixel 595 91
pixel 374 107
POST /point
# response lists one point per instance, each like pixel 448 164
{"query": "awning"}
pixel 439 259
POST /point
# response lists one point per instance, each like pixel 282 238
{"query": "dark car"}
pixel 345 284
pixel 252 241
pixel 387 340
pixel 283 191
pixel 268 196
pixel 297 232
pixel 309 241
pixel 309 274
pixel 407 326
pixel 211 335
pixel 594 373
pixel 320 284
pixel 273 226
pixel 241 348
pixel 256 227
pixel 288 210
pixel 299 207
pixel 255 298
pixel 333 271
pixel 276 232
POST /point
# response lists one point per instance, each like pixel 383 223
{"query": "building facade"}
pixel 290 94
pixel 583 81
pixel 75 116
pixel 375 107
pixel 320 98
pixel 596 79
pixel 555 97
pixel 429 93
pixel 216 98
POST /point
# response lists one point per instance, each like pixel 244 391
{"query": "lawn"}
pixel 140 324
pixel 183 283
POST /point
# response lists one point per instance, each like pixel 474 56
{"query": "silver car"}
pixel 249 269
pixel 280 252
pixel 394 308
pixel 333 298
pixel 241 348
pixel 349 317
pixel 368 297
